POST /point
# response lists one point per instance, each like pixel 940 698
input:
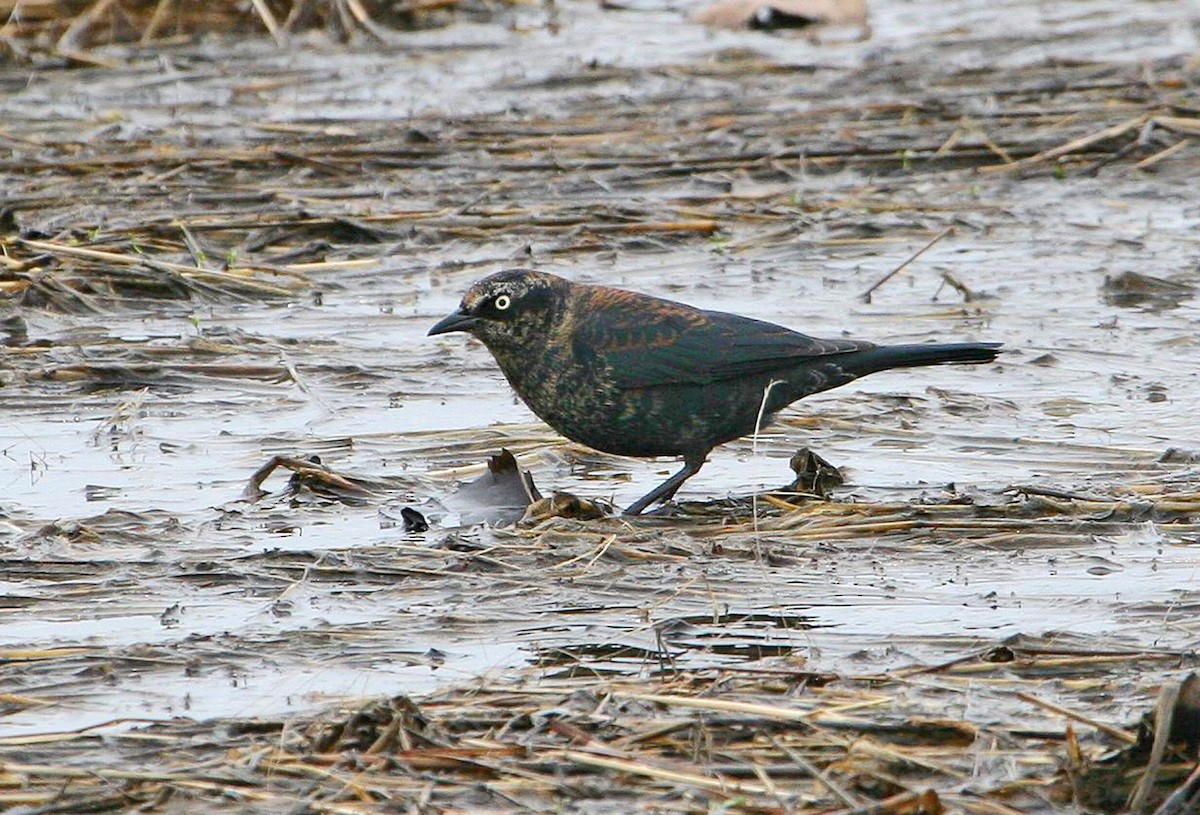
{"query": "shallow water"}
pixel 204 604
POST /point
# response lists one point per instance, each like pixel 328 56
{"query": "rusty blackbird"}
pixel 636 375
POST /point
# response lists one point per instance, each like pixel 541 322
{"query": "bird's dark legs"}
pixel 663 492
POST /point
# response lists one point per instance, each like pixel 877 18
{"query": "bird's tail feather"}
pixel 883 357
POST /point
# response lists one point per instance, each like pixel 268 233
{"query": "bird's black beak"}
pixel 458 321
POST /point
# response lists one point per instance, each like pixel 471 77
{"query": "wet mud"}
pixel 214 255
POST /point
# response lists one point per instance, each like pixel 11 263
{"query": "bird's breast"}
pixel 568 394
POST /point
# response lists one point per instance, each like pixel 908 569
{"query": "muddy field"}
pixel 220 251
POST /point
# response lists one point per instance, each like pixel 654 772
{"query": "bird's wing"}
pixel 648 342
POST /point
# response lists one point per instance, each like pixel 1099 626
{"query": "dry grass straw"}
pixel 76 27
pixel 271 220
pixel 661 720
pixel 1029 519
pixel 665 724
pixel 753 742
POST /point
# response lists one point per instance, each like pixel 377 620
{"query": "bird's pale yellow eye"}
pixel 503 302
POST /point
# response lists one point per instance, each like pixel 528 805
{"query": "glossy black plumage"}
pixel 636 375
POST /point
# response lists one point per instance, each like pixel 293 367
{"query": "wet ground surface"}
pixel 322 209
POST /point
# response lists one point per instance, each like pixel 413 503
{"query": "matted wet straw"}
pixel 706 711
pixel 238 230
pixel 1003 727
pixel 771 739
pixel 257 238
pixel 235 230
pixel 73 28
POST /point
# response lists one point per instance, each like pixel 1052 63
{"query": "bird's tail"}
pixel 883 357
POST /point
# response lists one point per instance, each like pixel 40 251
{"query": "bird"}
pixel 636 375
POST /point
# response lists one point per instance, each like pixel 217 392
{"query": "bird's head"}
pixel 508 310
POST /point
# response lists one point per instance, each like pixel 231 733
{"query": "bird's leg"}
pixel 663 492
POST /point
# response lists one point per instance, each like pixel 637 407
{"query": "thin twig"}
pixel 1115 732
pixel 866 296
